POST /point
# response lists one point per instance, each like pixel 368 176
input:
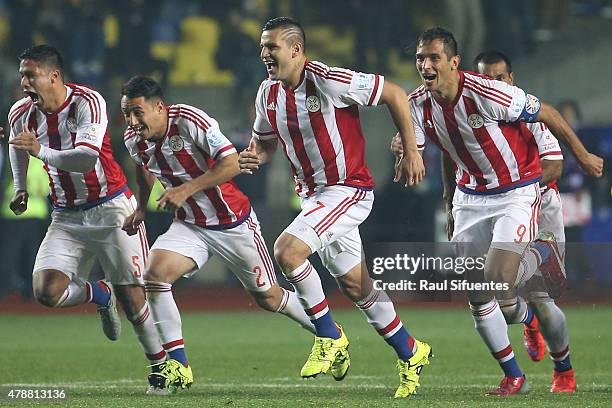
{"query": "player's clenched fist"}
pixel 19 203
pixel 592 165
pixel 248 159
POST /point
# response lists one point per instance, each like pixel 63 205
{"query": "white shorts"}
pixel 329 224
pixel 241 248
pixel 551 217
pixel 505 221
pixel 76 238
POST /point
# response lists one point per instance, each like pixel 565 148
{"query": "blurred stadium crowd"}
pixel 208 52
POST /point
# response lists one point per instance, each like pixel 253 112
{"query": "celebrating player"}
pixel 312 109
pixel 546 314
pixel 184 148
pixel 476 122
pixel 65 126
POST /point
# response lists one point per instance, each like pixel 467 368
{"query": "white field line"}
pixel 140 384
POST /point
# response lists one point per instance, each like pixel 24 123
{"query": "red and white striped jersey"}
pixel 480 131
pixel 192 144
pixel 318 125
pixel 548 146
pixel 80 121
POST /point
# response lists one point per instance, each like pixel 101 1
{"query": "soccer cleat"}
pixel 172 375
pixel 157 383
pixel 510 386
pixel 327 352
pixel 534 341
pixel 552 268
pixel 342 363
pixel 111 322
pixel 563 381
pixel 410 371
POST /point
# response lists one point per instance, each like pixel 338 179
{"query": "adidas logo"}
pixel 271 106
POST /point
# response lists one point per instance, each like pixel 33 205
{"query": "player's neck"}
pixel 295 78
pixel 57 99
pixel 447 94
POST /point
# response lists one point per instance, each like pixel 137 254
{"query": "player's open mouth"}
pixel 270 65
pixel 32 95
pixel 429 77
pixel 139 129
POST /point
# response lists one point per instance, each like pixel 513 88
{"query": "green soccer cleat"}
pixel 326 354
pixel 172 376
pixel 109 316
pixel 409 371
pixel 342 363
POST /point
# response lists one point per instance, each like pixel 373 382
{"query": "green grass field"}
pixel 253 360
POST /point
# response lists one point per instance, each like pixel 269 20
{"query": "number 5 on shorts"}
pixel 137 272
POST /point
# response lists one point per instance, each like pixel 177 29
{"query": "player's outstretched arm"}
pixel 224 170
pixel 591 164
pixel 448 182
pixel 410 166
pixel 144 181
pixel 258 153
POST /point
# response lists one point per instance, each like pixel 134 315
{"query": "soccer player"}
pixel 546 314
pixel 184 148
pixel 312 109
pixel 65 126
pixel 476 122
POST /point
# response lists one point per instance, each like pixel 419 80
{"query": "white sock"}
pixel 380 312
pixel 290 306
pixel 553 324
pixel 530 262
pixel 145 330
pixel 307 284
pixel 76 293
pixel 165 313
pixel 491 325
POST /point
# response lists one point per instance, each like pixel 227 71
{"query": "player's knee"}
pixel 352 290
pixel 131 297
pixel 288 255
pixel 268 300
pixel 47 290
pixel 509 309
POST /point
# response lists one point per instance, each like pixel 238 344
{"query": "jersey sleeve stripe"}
pixel 492 90
pixel 198 115
pixel 488 96
pixel 223 150
pixel 93 109
pixel 507 100
pixel 19 113
pixel 93 101
pixel 326 74
pixel 375 90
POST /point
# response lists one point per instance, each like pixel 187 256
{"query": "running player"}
pixel 476 122
pixel 312 109
pixel 65 126
pixel 184 148
pixel 546 314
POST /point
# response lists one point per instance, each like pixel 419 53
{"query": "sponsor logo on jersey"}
pixel 176 143
pixel 362 81
pixel 428 124
pixel 475 121
pixel 271 106
pixel 313 104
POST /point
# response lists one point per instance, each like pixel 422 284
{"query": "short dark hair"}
pixel 141 85
pixel 439 33
pixel 45 55
pixel 287 23
pixel 492 57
